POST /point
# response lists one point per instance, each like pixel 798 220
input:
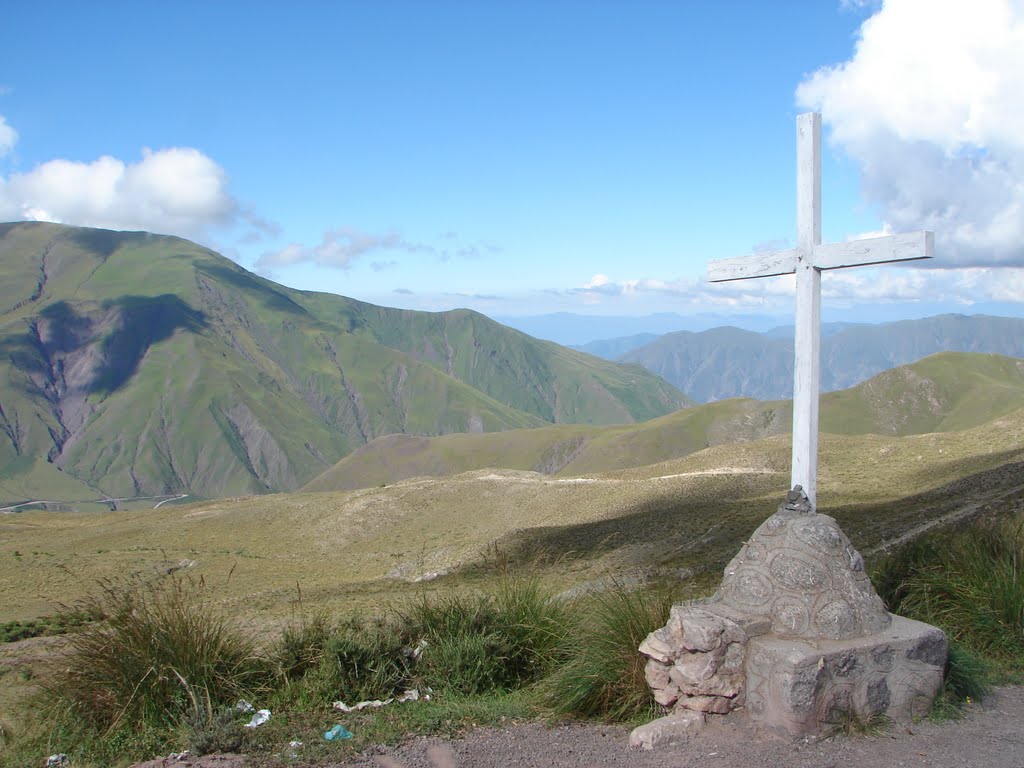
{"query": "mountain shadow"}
pixel 144 321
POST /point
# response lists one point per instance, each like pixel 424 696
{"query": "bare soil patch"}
pixel 990 736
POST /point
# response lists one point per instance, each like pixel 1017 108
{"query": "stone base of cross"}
pixel 808 260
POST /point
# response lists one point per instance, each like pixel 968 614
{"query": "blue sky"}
pixel 521 158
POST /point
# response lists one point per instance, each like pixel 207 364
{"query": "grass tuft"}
pixel 970 583
pixel 302 646
pixel 605 676
pixel 160 652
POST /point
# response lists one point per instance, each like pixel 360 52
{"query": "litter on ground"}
pixel 337 733
pixel 413 695
pixel 258 719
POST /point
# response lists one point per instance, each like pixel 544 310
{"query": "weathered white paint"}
pixel 808 260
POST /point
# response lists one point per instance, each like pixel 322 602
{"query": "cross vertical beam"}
pixel 807 341
pixel 808 260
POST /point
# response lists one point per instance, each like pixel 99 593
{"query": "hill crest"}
pixel 945 392
pixel 135 364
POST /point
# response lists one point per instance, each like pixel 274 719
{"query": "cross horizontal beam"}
pixel 855 253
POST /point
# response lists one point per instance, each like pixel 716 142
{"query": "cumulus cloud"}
pixel 841 288
pixel 338 248
pixel 177 191
pixel 8 137
pixel 341 246
pixel 931 105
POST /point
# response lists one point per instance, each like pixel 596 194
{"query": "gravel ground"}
pixel 991 736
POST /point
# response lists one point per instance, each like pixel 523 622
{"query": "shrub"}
pixel 212 731
pixel 302 646
pixel 159 653
pixel 490 643
pixel 475 644
pixel 970 583
pixel 605 677
pixel 363 658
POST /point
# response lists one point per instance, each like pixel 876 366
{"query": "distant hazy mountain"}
pixel 579 330
pixel 729 362
pixel 135 364
pixel 612 349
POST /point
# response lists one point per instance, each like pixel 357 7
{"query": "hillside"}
pixel 729 362
pixel 136 364
pixel 363 547
pixel 949 391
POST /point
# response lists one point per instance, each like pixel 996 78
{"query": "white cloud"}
pixel 931 105
pixel 841 288
pixel 177 191
pixel 8 137
pixel 338 248
pixel 341 246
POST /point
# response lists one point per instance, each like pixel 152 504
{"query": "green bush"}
pixel 160 653
pixel 490 643
pixel 605 677
pixel 365 659
pixel 211 731
pixel 465 644
pixel 969 582
pixel 302 646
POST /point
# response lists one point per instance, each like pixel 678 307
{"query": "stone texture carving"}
pixel 800 570
pixel 796 637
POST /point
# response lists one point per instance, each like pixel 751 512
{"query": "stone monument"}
pixel 796 638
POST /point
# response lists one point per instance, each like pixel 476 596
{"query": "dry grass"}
pixel 361 548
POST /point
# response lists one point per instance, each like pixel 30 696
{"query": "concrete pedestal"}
pixel 804 687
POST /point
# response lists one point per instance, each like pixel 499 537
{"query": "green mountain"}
pixel 136 364
pixel 729 362
pixel 612 349
pixel 945 392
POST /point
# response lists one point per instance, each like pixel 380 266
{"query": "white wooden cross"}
pixel 808 260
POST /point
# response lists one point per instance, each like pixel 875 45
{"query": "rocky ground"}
pixel 990 736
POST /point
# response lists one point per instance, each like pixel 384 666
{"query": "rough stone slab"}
pixel 666 730
pixel 751 624
pixel 803 687
pixel 657 647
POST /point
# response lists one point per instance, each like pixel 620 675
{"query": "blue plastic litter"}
pixel 337 733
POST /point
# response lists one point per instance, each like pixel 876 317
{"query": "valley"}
pixel 165 413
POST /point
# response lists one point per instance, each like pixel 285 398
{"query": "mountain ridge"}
pixel 731 362
pixel 133 363
pixel 945 392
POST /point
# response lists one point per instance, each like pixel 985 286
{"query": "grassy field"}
pixel 361 547
pixel 267 559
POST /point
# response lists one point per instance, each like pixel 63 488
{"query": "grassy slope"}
pixel 948 391
pixel 556 383
pixel 359 547
pixel 147 364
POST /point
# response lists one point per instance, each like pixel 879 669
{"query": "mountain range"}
pixel 946 392
pixel 730 362
pixel 134 364
pixel 137 364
